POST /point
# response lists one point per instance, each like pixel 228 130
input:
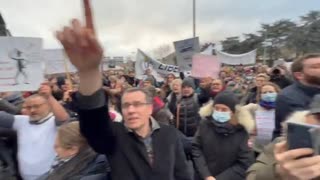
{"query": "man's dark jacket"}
pixel 127 154
pixel 293 98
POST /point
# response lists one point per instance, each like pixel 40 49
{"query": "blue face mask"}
pixel 269 97
pixel 221 117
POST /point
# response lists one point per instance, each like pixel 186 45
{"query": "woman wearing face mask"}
pixel 267 95
pixel 220 148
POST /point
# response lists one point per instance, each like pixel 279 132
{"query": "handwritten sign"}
pixel 265 121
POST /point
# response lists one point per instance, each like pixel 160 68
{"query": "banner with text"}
pixel 237 59
pixel 159 70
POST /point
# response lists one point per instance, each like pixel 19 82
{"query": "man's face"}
pixel 217 85
pixel 136 110
pixel 204 83
pixel 148 72
pixel 25 110
pixel 170 78
pixel 311 71
pixel 147 84
pixel 131 74
pixel 38 108
pixel 259 81
pixel 187 90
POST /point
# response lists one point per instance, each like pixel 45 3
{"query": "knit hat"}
pixel 315 105
pixel 227 98
pixel 189 83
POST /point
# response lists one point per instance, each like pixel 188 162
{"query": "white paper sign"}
pixel 54 61
pixel 21 64
pixel 185 49
pixel 265 126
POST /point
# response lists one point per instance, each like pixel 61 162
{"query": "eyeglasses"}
pixel 35 106
pixel 134 104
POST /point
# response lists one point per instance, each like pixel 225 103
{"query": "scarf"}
pixel 157 104
pixel 223 128
pixel 73 166
pixel 267 105
pixel 40 121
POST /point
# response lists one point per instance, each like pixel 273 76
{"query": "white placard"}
pixel 54 61
pixel 185 49
pixel 21 64
pixel 265 121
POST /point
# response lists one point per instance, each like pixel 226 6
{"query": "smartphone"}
pixel 301 135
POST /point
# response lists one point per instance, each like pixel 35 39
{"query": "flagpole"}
pixel 194 18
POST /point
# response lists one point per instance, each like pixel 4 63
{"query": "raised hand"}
pixel 81 46
pixel 84 51
pixel 45 90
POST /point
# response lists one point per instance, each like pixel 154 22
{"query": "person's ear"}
pixel 298 75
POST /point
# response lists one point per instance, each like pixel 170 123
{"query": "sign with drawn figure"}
pixel 21 64
pixel 57 62
pixel 185 49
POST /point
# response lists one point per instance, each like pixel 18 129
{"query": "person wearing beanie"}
pixel 220 147
pixel 187 116
pixel 160 112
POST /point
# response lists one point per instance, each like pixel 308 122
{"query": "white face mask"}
pixel 221 117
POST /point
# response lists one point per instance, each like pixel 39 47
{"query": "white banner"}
pixel 54 61
pixel 185 49
pixel 21 65
pixel 159 70
pixel 237 59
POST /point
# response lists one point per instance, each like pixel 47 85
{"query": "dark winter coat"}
pixel 225 156
pixel 127 154
pixel 293 98
pixel 188 117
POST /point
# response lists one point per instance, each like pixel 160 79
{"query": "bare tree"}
pixel 162 51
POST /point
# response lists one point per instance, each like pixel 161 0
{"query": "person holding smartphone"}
pixel 278 162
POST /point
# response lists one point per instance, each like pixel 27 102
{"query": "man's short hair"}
pixel 149 97
pixel 297 65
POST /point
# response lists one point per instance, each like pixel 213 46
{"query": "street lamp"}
pixel 194 18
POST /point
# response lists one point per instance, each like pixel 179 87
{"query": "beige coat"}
pixel 264 167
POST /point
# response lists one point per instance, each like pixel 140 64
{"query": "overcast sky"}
pixel 125 25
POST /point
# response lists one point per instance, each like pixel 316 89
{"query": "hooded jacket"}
pixel 264 167
pixel 222 155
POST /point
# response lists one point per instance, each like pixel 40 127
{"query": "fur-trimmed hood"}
pixel 243 116
pixel 296 117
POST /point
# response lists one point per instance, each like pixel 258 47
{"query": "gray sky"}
pixel 125 25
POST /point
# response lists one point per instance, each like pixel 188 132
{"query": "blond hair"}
pixel 69 135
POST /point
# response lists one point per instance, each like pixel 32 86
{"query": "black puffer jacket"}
pixel 188 117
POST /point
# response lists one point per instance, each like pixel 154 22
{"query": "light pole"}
pixel 194 18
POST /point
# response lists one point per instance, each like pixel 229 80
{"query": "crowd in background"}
pixel 214 121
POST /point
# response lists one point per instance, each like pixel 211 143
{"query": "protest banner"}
pixel 21 64
pixel 237 59
pixel 159 70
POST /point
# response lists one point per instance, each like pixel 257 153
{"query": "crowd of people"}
pixel 109 125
